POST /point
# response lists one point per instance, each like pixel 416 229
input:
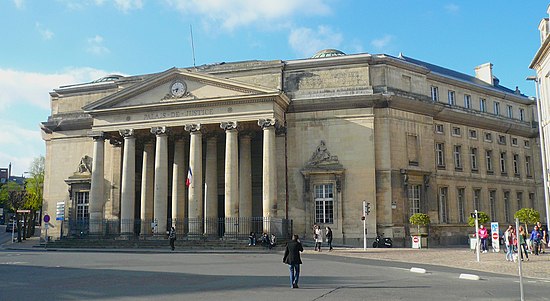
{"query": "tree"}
pixel 527 216
pixel 419 219
pixel 482 218
pixel 13 196
pixel 34 187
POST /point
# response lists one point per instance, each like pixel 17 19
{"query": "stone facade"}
pixel 307 140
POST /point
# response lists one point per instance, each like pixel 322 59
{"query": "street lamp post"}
pixel 542 148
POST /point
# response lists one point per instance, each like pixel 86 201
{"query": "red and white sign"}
pixel 495 241
pixel 416 242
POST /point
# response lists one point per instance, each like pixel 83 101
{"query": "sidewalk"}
pixel 464 258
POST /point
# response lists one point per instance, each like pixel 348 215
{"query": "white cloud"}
pixel 45 33
pixel 452 8
pixel 307 41
pixel 126 5
pixel 32 88
pixel 19 146
pixel 19 4
pixel 382 43
pixel 236 13
pixel 96 47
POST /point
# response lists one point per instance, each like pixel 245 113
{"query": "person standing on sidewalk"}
pixel 522 243
pixel 544 239
pixel 508 242
pixel 328 235
pixel 292 258
pixel 318 237
pixel 172 237
pixel 536 237
pixel 483 235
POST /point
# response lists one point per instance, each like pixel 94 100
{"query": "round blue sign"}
pixel 46 218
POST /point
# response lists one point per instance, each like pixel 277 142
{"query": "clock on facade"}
pixel 178 89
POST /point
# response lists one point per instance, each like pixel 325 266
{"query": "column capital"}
pixel 193 127
pixel 228 125
pixel 127 133
pixel 96 135
pixel 159 130
pixel 267 122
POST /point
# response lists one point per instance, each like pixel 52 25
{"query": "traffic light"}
pixel 368 208
pixel 473 214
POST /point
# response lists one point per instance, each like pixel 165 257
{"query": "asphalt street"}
pixel 70 275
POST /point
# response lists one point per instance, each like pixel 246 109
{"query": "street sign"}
pixel 23 211
pixel 495 234
pixel 46 218
pixel 60 211
pixel 416 242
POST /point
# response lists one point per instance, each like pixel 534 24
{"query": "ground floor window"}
pixel 414 199
pixel 443 205
pixel 82 204
pixel 324 204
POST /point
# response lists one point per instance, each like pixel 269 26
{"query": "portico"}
pixel 170 138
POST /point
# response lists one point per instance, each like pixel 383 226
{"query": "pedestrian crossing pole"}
pixel 519 261
pixel 477 235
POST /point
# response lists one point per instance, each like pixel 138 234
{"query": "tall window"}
pixel 492 204
pixel 496 108
pixel 452 101
pixel 519 197
pixel 507 206
pixel 414 198
pixel 522 114
pixel 516 164
pixel 440 154
pixel 509 111
pixel 473 158
pixel 435 93
pixel 483 105
pixel 528 166
pixel 489 160
pixel 467 101
pixel 503 162
pixel 531 200
pixel 443 205
pixel 82 205
pixel 458 156
pixel 460 205
pixel 477 199
pixel 324 204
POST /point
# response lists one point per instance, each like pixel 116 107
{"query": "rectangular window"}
pixel 492 204
pixel 526 144
pixel 509 111
pixel 528 166
pixel 488 137
pixel 496 108
pixel 435 93
pixel 324 204
pixel 412 149
pixel 473 134
pixel 473 158
pixel 452 101
pixel 489 160
pixel 507 206
pixel 483 105
pixel 414 199
pixel 467 101
pixel 456 131
pixel 477 199
pixel 460 205
pixel 515 162
pixel 440 154
pixel 503 162
pixel 519 197
pixel 457 153
pixel 514 141
pixel 531 200
pixel 443 205
pixel 439 128
pixel 521 114
pixel 501 139
pixel 82 205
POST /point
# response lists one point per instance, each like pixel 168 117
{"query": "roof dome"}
pixel 327 53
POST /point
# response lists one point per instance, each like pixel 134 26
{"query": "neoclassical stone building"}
pixel 262 143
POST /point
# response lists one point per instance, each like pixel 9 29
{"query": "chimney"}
pixel 484 72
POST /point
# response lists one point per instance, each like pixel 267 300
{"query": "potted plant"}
pixel 421 219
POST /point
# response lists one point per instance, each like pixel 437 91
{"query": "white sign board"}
pixel 416 244
pixel 495 237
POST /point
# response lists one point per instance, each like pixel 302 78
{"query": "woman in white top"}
pixel 318 236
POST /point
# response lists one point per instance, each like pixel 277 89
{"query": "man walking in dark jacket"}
pixel 292 258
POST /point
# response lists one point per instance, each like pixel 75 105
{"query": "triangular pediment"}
pixel 178 86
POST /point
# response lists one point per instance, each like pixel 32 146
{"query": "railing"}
pixel 188 228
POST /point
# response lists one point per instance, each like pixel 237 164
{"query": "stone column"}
pixel 128 185
pixel 269 185
pixel 231 177
pixel 211 180
pixel 160 198
pixel 147 188
pixel 195 187
pixel 245 185
pixel 178 183
pixel 97 184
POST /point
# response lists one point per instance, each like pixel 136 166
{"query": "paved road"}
pixel 70 275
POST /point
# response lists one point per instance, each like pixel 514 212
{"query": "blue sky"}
pixel 48 43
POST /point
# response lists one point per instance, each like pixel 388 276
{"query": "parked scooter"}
pixel 382 242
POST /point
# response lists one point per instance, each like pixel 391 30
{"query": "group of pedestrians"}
pixel 318 237
pixel 517 243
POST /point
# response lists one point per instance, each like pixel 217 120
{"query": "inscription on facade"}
pixel 176 114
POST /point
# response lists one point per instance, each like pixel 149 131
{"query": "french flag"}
pixel 189 178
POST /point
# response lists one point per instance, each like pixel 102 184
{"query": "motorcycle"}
pixel 382 242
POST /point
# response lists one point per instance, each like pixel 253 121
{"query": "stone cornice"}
pixel 541 53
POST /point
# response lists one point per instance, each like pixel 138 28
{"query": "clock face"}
pixel 178 89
